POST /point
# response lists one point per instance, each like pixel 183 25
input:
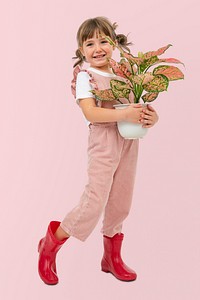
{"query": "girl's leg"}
pixel 117 209
pixel 60 234
pixel 103 158
pixel 120 198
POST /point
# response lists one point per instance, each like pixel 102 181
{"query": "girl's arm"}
pixel 94 113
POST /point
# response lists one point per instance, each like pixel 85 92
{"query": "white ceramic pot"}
pixel 130 130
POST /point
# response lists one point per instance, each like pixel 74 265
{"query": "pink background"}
pixel 43 154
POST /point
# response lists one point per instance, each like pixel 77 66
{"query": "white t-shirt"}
pixel 83 85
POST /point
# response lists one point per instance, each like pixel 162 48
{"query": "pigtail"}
pixel 122 41
pixel 80 58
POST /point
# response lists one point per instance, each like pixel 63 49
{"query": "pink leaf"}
pixel 133 59
pixel 104 95
pixel 124 62
pixel 116 68
pixel 156 53
pixel 120 89
pixel 158 84
pixel 143 78
pixel 125 70
pixel 170 60
pixel 171 72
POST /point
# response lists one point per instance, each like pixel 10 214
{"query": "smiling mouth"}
pixel 99 56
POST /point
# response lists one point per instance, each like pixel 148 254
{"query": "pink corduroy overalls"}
pixel 111 174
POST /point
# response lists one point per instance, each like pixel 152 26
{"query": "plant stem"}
pixel 140 91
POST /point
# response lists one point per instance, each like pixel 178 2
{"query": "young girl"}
pixel 111 158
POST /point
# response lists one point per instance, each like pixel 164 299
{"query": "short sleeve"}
pixel 83 86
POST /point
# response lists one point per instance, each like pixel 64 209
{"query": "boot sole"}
pixel 48 283
pixel 124 280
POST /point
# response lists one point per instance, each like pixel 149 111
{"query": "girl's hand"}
pixel 133 113
pixel 149 117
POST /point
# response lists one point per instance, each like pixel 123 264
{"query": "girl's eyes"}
pixel 91 44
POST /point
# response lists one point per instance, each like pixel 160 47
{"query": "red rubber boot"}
pixel 112 261
pixel 48 248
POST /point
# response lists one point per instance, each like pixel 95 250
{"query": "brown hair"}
pixel 102 25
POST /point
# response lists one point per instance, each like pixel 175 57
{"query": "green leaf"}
pixel 149 97
pixel 158 84
pixel 171 72
pixel 120 89
pixel 104 95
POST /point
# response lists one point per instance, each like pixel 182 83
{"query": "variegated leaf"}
pixel 116 68
pixel 170 60
pixel 120 89
pixel 131 69
pixel 143 78
pixel 125 70
pixel 126 63
pixel 148 62
pixel 104 95
pixel 171 72
pixel 149 97
pixel 156 53
pixel 133 59
pixel 167 60
pixel 158 84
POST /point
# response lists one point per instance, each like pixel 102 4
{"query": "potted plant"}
pixel 138 80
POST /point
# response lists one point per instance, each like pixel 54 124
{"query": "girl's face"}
pixel 97 50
